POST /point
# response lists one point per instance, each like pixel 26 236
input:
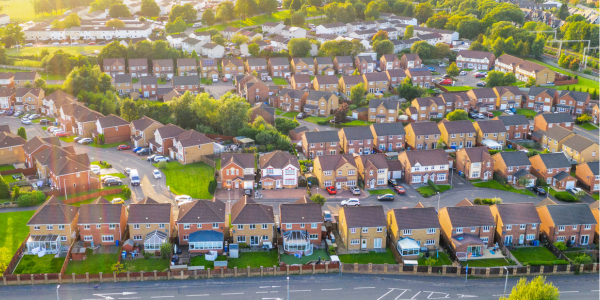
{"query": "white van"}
pixel 135 177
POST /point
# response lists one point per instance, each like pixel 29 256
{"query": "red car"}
pixel 123 147
pixel 91 43
pixel 399 189
pixel 446 82
pixel 479 75
pixel 489 114
pixel 62 134
pixel 331 190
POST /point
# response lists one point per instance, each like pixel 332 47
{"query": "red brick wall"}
pixel 512 130
pixel 116 134
pixel 225 177
pixel 82 184
pixel 117 233
pixel 569 232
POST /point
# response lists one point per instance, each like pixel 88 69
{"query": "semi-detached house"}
pixel 113 66
pixel 516 223
pixel 458 134
pixel 320 143
pixel 422 135
pixel 363 227
pixel 201 225
pixel 102 223
pixel 237 171
pixel 372 170
pixel 252 223
pixel 468 229
pixel 357 140
pixel 517 126
pixel 114 129
pixel 475 163
pixel 190 146
pixel 413 228
pixel 420 166
pixel 163 138
pixel 377 82
pixel 339 171
pixel 150 222
pixel 554 169
pixel 574 224
pixel 142 130
pixel 511 166
pixel 279 169
pixel 478 60
pixel 300 224
pixel 138 67
pixel 388 136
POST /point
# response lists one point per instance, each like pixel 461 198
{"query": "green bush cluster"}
pixel 433 186
pixel 126 192
pixel 546 262
pixel 487 201
pixel 212 186
pixel 565 196
pixel 31 198
pixel 560 246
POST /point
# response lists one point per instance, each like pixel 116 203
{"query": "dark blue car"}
pixel 135 150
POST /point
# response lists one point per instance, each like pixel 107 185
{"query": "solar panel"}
pixel 208 62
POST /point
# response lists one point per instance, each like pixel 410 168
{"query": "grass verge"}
pixel 254 260
pixel 381 192
pixel 94 263
pixel 426 191
pixel 371 257
pixel 32 264
pixel 13 230
pixel 493 184
pixel 490 262
pixel 526 112
pixel 190 179
pixel 588 126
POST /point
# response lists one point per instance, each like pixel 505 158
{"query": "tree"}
pixel 185 12
pixel 208 17
pixel 247 8
pixel 71 20
pixel 219 40
pixel 87 78
pixel 112 50
pixel 116 23
pixel 372 11
pixel 357 94
pixel 531 82
pixel 284 125
pixel 239 39
pixel 40 83
pixel 15 192
pixel 296 5
pixel 129 110
pixel 452 70
pixel 457 115
pixel 383 47
pixel 225 11
pixel 408 91
pixel 149 8
pixel 21 132
pixel 442 50
pixel 537 49
pixel 267 6
pixel 253 49
pixel 424 49
pixel 409 32
pixel 11 35
pixel 165 249
pixel 341 113
pixel 299 47
pixel 178 26
pixel 119 10
pixel 536 289
pixel 380 36
pixel 298 18
pixel 563 11
pixel 423 12
pixel 232 114
pixel 319 199
pixel 4 189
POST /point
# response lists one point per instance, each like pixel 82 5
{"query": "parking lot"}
pixel 462 80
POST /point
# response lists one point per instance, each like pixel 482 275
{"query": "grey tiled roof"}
pixel 571 214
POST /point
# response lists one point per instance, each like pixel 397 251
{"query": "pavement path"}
pixel 590 134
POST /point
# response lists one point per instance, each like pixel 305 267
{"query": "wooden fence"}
pixel 25 172
pixel 15 260
pixel 92 195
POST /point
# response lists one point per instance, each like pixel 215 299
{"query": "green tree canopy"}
pixel 208 17
pixel 536 289
pixel 150 8
pixel 457 115
pixel 119 10
pixel 116 23
pixel 299 47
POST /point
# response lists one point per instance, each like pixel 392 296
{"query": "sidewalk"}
pixel 236 194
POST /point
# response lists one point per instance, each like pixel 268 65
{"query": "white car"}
pixel 462 73
pixel 34 116
pixel 508 112
pixel 183 202
pixel 55 130
pixel 162 158
pixel 85 141
pixel 576 190
pixel 74 43
pixel 26 122
pixel 55 44
pixel 65 44
pixel 157 174
pixel 351 202
pixel 181 198
pixel 95 169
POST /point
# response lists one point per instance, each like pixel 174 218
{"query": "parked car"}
pixel 355 190
pixel 26 122
pixel 248 192
pixel 95 169
pixel 117 201
pixel 136 149
pixel 432 69
pixel 157 174
pixel 62 134
pixel 393 182
pixel 55 130
pixel 480 75
pixel 400 190
pixel 538 190
pixel 183 198
pixel 10 113
pixel 74 43
pixel 327 216
pixel 77 138
pixel 162 158
pixel 85 141
pixel 576 190
pixel 490 114
pixel 300 116
pixel 123 147
pixel 107 177
pixel 462 73
pixel 49 129
pixel 446 82
pixel 224 78
pixel 45 122
pixel 386 197
pixel 441 64
pixel 446 76
pixel 113 181
pixel 145 151
pixel 91 43
pixel 508 112
pixel 514 110
pixel 331 190
pixel 55 44
pixel 480 116
pixel 152 157
pixel 351 202
pixel 65 44
pixel 481 83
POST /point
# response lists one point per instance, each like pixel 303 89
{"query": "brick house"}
pixel 389 62
pixel 7 98
pixel 376 82
pixel 52 103
pixel 148 216
pixel 292 100
pixel 357 140
pixel 383 111
pixel 422 135
pixel 142 130
pixel 338 170
pixel 237 171
pixel 163 138
pixel 508 97
pixel 187 67
pixel 372 170
pixel 113 66
pixel 71 174
pixel 553 169
pixel 594 208
pixel 11 148
pixel 595 113
pixel 258 65
pixel 512 166
pixel 347 82
pixel 279 169
pixel 588 176
pixel 478 60
pixel 263 110
pixel 320 103
pixel 410 60
pixel 572 102
pixel 7 79
pixel 324 66
pixel 297 133
pixel 517 126
pixel 419 77
pixel 428 108
pixel 541 99
pixel 475 163
pixel 303 65
pixel 507 63
pixel 252 223
pixel 43 158
pixel 581 149
pixel 574 224
pixel 363 227
pixel 27 99
pixel 458 134
pixel 123 84
pixel 343 65
pixel 208 68
pixel 252 89
pixel 22 78
pixel 318 143
pixel 138 67
pixel 149 86
pixel 202 219
pixel 300 224
pixel 184 84
pixel 420 166
pixel 365 64
pixel 163 68
pixel 468 229
pixel 456 101
pixel 191 146
pixel 301 82
pixel 102 223
pixel 279 67
pixel 553 138
pixel 36 145
pixel 483 99
pixel 52 219
pixel 546 121
pixel 388 136
pixel 541 74
pixel 516 223
pixel 326 83
pixel 395 77
pixel 114 128
pixel 490 130
pixel 418 225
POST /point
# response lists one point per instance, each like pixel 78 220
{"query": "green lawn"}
pixel 596 196
pixel 441 260
pixel 258 20
pixel 526 112
pixel 357 122
pixel 92 191
pixel 381 192
pixel 94 264
pixel 107 197
pixel 6 167
pixel 13 230
pixel 201 261
pixel 292 260
pixel 32 264
pixel 134 80
pixel 584 83
pixel 149 265
pixel 206 81
pixel 318 119
pixel 44 76
pixel 496 113
pixel 279 81
pixel 427 191
pixel 290 114
pixel 190 179
pixel 533 254
pixel 161 81
pixel 493 184
pixel 371 257
pixel 588 126
pixel 9 178
pixel 278 112
pixel 460 88
pixel 22 11
pixel 484 263
pixel 97 163
pixel 111 145
pixel 254 260
pixel 73 50
pixel 68 139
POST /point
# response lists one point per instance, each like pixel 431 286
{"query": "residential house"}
pixel 300 223
pixel 209 68
pixel 395 77
pixel 237 170
pixel 429 108
pixel 163 138
pixel 113 66
pixel 478 60
pixel 264 111
pixel 419 77
pixel 201 225
pixel 410 61
pixel 318 143
pixel 279 67
pixel 420 166
pixel 163 68
pixel 326 83
pixel 78 119
pixel 36 145
pixel 553 139
pixel 7 79
pixel 142 130
pixel 389 62
pixel 102 223
pixel 52 103
pixel 413 228
pixel 324 66
pixel 366 34
pixel 376 82
pixel 372 170
pixel 320 103
pixel 512 166
pixel 572 102
pixel 541 99
pixel 475 163
pixel 138 67
pixel 251 88
pixel 27 99
pixel 458 134
pixel 148 217
pixel 508 97
pixel 212 50
pixel 546 121
pixel 297 133
pixel 229 32
pixel 581 149
pixel 232 67
pixel 123 84
pixel 483 99
pixel 42 159
pixel 526 69
pixel 149 86
pixel 365 64
pixel 469 229
pixel 347 82
pixel 184 84
pixel 574 223
pixel 279 169
pixel 113 128
pixel 343 65
pixel 493 130
pixel 383 111
pixel 517 126
pixel 357 140
pixel 187 67
pixel 338 28
pixel 595 113
pixel 272 27
pixel 252 223
pixel 422 135
pixel 554 169
pixel 339 171
pixel 258 65
pixel 363 227
pixel 7 98
pixel 516 223
pixel 11 148
pixel 292 100
pixel 388 136
pixel 507 63
pixel 300 81
pixel 292 32
pixel 456 101
pixel 191 146
pixel 303 65
pixel 53 225
pixel 22 78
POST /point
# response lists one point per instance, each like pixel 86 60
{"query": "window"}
pixel 458 230
pixel 313 236
pixel 240 227
pixel 98 226
pixel 302 225
pixel 148 225
pixel 431 230
pixel 161 226
pixel 288 226
pixel 113 226
pixel 561 228
pixel 560 239
pixel 429 242
pixel 407 232
pixel 241 239
pixel 136 226
pixel 365 230
pixel 252 226
pixel 508 227
pixel 352 230
pixel 49 227
pixel 379 229
pixel 587 226
pixel 61 227
pixel 215 225
pixel 523 226
pixel 486 228
pixel 355 242
pixel 533 226
pixel 88 238
pixel 265 237
pixel 137 237
pixel 186 226
pixel 36 227
pixel 313 225
pixel 86 226
pixel 574 227
pixel 530 237
pixel 108 238
pixel 473 229
pixel 485 239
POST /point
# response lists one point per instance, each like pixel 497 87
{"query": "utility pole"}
pixel 505 283
pixel 57 287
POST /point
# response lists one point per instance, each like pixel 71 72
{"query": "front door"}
pixel 338 185
pixel 363 245
pixel 254 240
pixel 573 238
pixel 521 239
pixel 372 183
pixel 237 184
pixel 485 175
pixel 425 178
pixel 377 243
pixel 585 239
pixel 278 184
pixel 508 240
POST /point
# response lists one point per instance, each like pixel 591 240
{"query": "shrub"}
pixel 4 189
pixel 162 165
pixel 565 196
pixel 147 255
pixel 433 186
pixel 165 250
pixel 560 246
pixel 487 201
pixel 212 186
pixel 262 148
pixel 126 192
pixel 583 259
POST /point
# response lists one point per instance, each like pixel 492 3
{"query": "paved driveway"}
pixel 218 89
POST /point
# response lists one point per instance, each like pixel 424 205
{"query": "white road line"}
pixel 595 290
pixel 225 294
pixel 203 295
pixel 404 291
pixel 391 290
pixel 299 291
pixel 262 292
pixel 131 298
pixel 162 297
pixel 273 292
pixel 364 287
pixel 413 297
pixel 331 289
pixel 568 292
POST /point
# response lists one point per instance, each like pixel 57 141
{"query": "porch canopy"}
pixel 407 246
pixel 296 240
pixel 154 239
pixel 48 244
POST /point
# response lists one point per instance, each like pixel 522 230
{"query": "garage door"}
pixel 502 106
pixel 228 75
pixel 248 185
pixel 570 184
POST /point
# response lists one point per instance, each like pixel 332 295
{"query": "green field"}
pixel 371 257
pixel 44 76
pixel 279 81
pixel 94 263
pixel 526 112
pixel 584 83
pixel 461 88
pixel 190 179
pixel 588 126
pixel 22 11
pixel 74 50
pixel 32 264
pixel 493 184
pixel 258 20
pixel 13 230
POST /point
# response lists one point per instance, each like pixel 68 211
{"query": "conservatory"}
pixel 205 241
pixel 408 247
pixel 154 239
pixel 295 241
pixel 42 244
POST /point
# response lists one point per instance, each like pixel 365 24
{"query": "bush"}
pixel 31 198
pixel 126 192
pixel 583 259
pixel 162 165
pixel 165 250
pixel 560 246
pixel 565 196
pixel 487 201
pixel 546 262
pixel 147 255
pixel 212 186
pixel 433 186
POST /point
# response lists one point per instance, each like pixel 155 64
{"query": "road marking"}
pixel 431 294
pixel 364 287
pixel 595 290
pixel 197 295
pixel 413 297
pixel 391 290
pixel 273 291
pixel 131 298
pixel 162 297
pixel 225 294
pixel 262 292
pixel 568 292
pixel 466 296
pixel 299 291
pixel 331 289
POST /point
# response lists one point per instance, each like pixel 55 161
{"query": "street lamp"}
pixel 505 282
pixel 58 286
pixel 438 201
pixel 288 288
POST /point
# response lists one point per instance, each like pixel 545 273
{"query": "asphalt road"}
pixel 326 287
